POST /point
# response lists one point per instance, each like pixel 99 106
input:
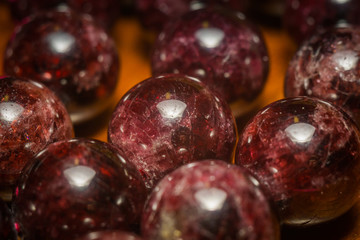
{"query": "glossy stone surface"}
pixel 7 224
pixel 303 17
pixel 306 153
pixel 104 12
pixel 69 54
pixel 156 13
pixel 218 46
pixel 31 117
pixel 75 187
pixel 167 121
pixel 327 66
pixel 110 235
pixel 208 200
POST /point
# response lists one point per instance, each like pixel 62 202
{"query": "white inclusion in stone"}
pixel 171 109
pixel 211 199
pixel 60 42
pixel 79 176
pixel 300 132
pixel 346 59
pixel 210 37
pixel 10 111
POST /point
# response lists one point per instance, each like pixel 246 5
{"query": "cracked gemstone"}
pixel 167 121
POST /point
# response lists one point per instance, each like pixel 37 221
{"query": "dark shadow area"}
pixel 93 126
pixel 333 230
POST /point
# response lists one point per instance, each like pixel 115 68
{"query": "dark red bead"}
pixel 327 67
pixel 69 54
pixel 75 187
pixel 104 12
pixel 110 235
pixel 306 153
pixel 156 13
pixel 209 200
pixel 167 121
pixel 7 224
pixel 220 47
pixel 31 117
pixel 303 17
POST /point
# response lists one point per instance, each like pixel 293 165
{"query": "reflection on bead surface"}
pixel 104 12
pixel 31 117
pixel 77 186
pixel 208 200
pixel 306 153
pixel 218 46
pixel 70 55
pixel 156 13
pixel 167 121
pixel 327 67
pixel 303 17
pixel 110 235
pixel 7 225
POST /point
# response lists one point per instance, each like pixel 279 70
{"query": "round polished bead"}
pixel 156 13
pixel 70 55
pixel 167 121
pixel 306 152
pixel 218 46
pixel 31 117
pixel 209 200
pixel 74 187
pixel 327 67
pixel 302 18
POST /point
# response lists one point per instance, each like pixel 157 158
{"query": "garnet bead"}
pixel 75 187
pixel 218 46
pixel 208 200
pixel 167 121
pixel 306 152
pixel 31 117
pixel 303 17
pixel 327 67
pixel 69 54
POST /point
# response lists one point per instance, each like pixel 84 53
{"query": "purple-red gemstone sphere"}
pixel 208 200
pixel 7 224
pixel 218 46
pixel 75 187
pixel 303 17
pixel 31 117
pixel 327 66
pixel 306 152
pixel 69 54
pixel 156 13
pixel 110 235
pixel 167 121
pixel 104 12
